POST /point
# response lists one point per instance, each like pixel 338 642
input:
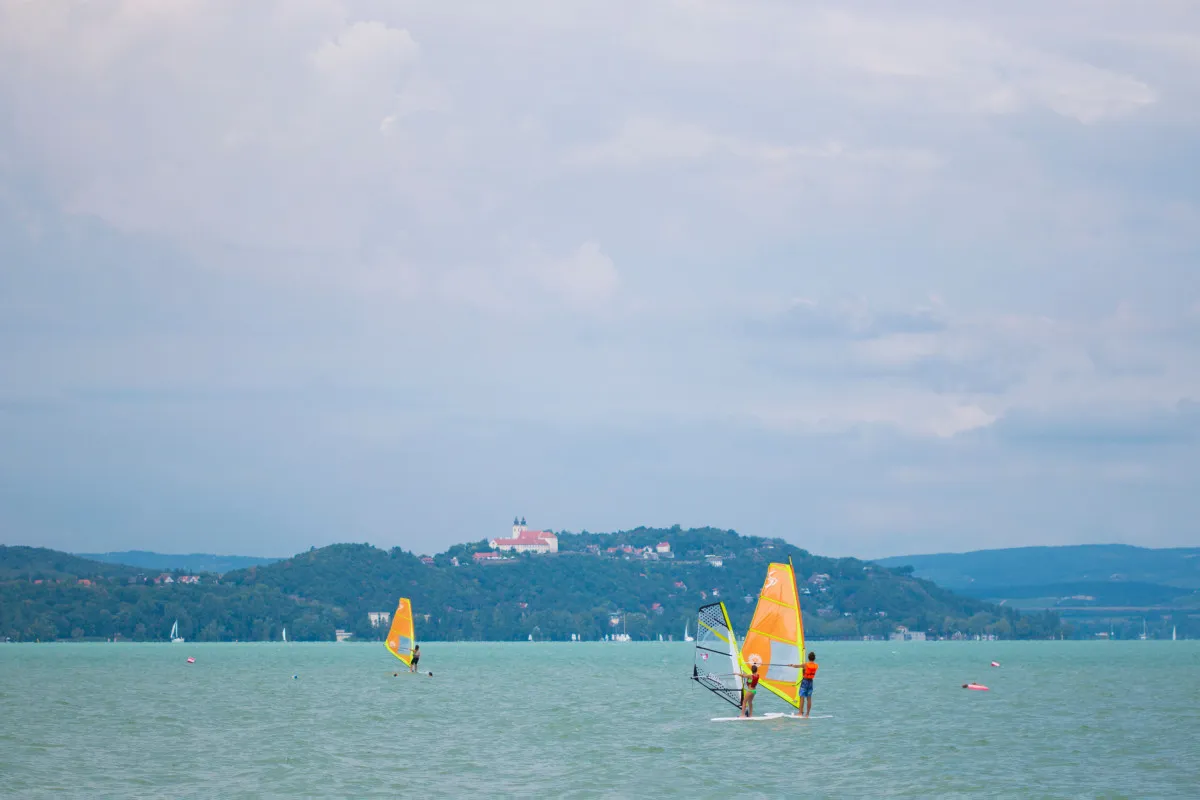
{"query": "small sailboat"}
pixel 1173 633
pixel 175 637
pixel 285 635
pixel 687 637
pixel 717 665
pixel 401 636
pixel 775 638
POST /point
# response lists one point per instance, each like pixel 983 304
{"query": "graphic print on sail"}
pixel 717 666
pixel 399 640
pixel 776 634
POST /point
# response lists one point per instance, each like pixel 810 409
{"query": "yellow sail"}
pixel 776 635
pixel 399 640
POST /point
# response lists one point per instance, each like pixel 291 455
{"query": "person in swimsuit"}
pixel 749 690
pixel 416 657
pixel 806 683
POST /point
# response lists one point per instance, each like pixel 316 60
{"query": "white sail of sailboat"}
pixel 285 635
pixel 1173 633
pixel 175 637
pixel 687 637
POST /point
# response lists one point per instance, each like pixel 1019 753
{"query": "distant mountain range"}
pixel 1100 586
pixel 192 562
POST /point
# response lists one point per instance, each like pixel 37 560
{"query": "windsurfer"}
pixel 749 690
pixel 806 683
pixel 416 657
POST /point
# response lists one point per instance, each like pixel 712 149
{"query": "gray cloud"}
pixel 309 270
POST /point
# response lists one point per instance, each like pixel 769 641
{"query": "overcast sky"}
pixel 877 280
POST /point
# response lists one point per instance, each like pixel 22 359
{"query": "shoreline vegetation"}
pixel 597 585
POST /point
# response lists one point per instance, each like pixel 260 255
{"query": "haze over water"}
pixel 1068 719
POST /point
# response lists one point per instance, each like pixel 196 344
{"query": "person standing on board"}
pixel 806 683
pixel 412 667
pixel 748 690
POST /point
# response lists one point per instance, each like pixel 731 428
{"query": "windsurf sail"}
pixel 717 666
pixel 775 638
pixel 400 636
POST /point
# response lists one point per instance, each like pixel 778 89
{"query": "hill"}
pixel 40 563
pixel 1031 566
pixel 580 590
pixel 1100 589
pixel 190 562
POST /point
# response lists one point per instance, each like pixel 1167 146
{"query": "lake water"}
pixel 1062 719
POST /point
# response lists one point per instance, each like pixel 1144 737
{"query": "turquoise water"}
pixel 1104 719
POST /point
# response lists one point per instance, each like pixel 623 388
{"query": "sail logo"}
pixel 771 580
pixel 754 660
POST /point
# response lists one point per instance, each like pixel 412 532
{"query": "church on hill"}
pixel 526 541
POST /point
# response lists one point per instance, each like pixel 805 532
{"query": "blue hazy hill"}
pixel 1017 567
pixel 193 562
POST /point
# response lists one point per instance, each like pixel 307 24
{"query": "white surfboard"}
pixel 756 718
pixel 814 716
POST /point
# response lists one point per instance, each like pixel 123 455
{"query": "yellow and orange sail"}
pixel 400 636
pixel 776 635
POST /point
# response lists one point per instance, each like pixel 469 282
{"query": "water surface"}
pixel 1062 719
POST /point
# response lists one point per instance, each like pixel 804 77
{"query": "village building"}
pixel 903 634
pixel 662 547
pixel 526 541
pixel 379 618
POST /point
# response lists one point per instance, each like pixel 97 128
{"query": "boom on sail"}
pixel 716 652
pixel 400 636
pixel 775 638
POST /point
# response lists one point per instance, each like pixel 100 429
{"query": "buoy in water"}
pixel 979 687
pixel 295 677
pixel 995 663
pixel 191 660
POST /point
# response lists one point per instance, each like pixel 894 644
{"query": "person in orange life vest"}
pixel 806 683
pixel 749 690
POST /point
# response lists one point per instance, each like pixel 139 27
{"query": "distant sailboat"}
pixel 285 635
pixel 687 637
pixel 1172 633
pixel 175 637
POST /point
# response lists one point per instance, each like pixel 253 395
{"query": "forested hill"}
pixel 547 596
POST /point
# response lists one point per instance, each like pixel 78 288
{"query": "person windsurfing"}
pixel 412 667
pixel 749 690
pixel 806 683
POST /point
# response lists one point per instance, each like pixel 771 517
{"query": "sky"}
pixel 875 279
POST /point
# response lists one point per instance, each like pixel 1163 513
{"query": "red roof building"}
pixel 526 541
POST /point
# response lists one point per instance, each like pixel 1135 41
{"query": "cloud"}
pixel 890 278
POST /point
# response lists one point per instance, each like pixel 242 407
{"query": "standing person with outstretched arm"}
pixel 749 690
pixel 806 683
pixel 416 656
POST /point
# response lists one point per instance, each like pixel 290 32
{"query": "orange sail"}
pixel 776 635
pixel 400 636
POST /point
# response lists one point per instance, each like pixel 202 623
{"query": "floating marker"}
pixel 191 660
pixel 295 677
pixel 978 687
pixel 995 663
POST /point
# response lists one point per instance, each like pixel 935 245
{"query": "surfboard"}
pixel 756 718
pixel 814 716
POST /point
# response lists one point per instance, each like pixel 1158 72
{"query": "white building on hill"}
pixel 526 541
